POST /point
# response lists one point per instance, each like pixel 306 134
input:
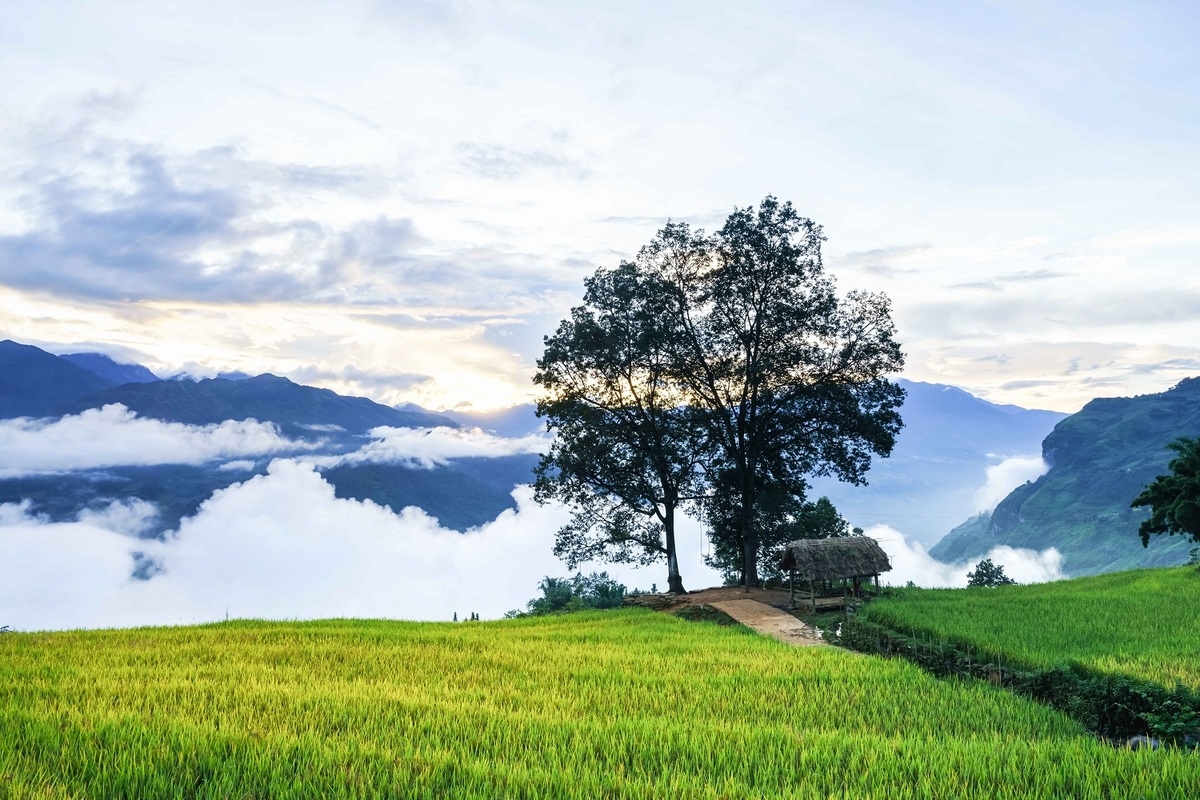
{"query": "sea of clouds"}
pixel 283 546
pixel 115 436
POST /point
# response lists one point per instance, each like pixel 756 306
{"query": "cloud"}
pixel 1046 312
pixel 430 447
pixel 115 436
pixel 353 375
pixel 1010 473
pixel 132 516
pixel 882 260
pixel 505 164
pixel 282 546
pixel 1031 276
pixel 150 232
pixel 990 286
pixel 911 562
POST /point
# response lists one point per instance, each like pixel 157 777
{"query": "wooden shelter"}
pixel 835 559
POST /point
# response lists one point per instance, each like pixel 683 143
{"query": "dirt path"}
pixel 770 621
pixel 760 609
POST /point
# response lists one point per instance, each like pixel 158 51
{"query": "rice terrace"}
pixel 626 703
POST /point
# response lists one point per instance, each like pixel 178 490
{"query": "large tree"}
pixel 626 449
pixel 789 379
pixel 1174 499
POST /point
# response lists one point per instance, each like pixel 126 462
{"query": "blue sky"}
pixel 399 199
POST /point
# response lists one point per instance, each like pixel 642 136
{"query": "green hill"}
pixel 1100 459
pixel 620 704
pixel 1140 623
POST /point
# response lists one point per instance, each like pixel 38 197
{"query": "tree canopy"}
pixel 721 366
pixel 788 379
pixel 1174 499
pixel 988 573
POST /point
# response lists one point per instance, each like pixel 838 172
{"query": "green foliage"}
pixel 625 704
pixel 1174 499
pixel 988 574
pixel 580 593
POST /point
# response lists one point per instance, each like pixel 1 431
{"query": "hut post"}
pixel 812 595
pixel 877 584
pixel 792 588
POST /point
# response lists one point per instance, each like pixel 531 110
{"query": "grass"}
pixel 1142 623
pixel 625 703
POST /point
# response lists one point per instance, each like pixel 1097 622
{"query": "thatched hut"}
pixel 845 558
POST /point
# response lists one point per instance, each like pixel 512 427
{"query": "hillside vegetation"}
pixel 1100 460
pixel 1141 623
pixel 601 704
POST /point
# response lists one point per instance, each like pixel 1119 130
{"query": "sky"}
pixel 400 199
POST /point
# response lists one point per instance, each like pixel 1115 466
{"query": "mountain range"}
pixel 944 458
pixel 1100 459
pixel 34 383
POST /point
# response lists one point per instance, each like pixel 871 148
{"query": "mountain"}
pixel 940 461
pixel 297 410
pixel 111 370
pixel 1100 459
pixel 33 383
pixel 464 494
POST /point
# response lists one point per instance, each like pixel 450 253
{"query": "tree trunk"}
pixel 749 552
pixel 674 579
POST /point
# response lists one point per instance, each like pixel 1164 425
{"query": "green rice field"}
pixel 624 703
pixel 1143 623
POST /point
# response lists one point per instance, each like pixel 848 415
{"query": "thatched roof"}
pixel 834 559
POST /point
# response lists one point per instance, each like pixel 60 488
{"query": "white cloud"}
pixel 283 546
pixel 1010 473
pixel 430 447
pixel 114 436
pixel 911 562
pixel 130 516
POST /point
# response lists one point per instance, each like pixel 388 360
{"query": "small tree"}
pixel 988 574
pixel 1174 499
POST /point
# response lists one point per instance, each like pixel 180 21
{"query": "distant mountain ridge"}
pixel 111 370
pixel 940 461
pixel 298 410
pixel 33 383
pixel 1100 459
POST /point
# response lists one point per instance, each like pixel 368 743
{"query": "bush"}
pixel 564 595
